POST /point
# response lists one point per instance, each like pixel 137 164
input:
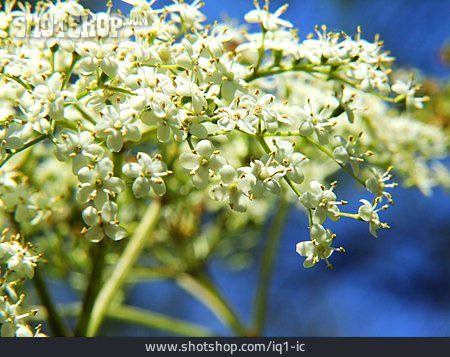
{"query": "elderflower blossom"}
pixel 17 263
pixel 202 162
pixel 319 247
pixel 234 188
pixel 369 212
pixel 98 184
pixel 148 175
pixel 103 223
pixel 323 202
pixel 284 115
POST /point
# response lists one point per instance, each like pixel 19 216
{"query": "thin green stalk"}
pixel 26 146
pixel 267 264
pixel 54 320
pixel 204 291
pixel 157 321
pixel 28 87
pixel 84 114
pixel 330 154
pixel 75 57
pixel 126 261
pixel 351 215
pixel 95 281
pixel 317 69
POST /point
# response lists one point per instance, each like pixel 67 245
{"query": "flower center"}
pixel 263 175
pixel 233 187
pixel 148 173
pixel 117 124
pixel 204 162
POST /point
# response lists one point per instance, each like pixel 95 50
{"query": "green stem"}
pixel 18 80
pixel 267 264
pixel 95 281
pixel 26 146
pixel 351 215
pixel 84 114
pixel 330 155
pixel 157 321
pixel 55 322
pixel 204 291
pixel 317 69
pixel 75 57
pixel 126 261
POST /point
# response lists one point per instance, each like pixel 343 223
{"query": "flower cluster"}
pixel 182 106
pixel 17 263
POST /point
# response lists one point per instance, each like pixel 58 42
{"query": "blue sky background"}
pixel 396 285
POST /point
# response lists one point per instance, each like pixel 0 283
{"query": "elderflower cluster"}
pixel 180 106
pixel 17 263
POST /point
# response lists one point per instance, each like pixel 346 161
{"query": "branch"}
pixel 127 260
pixel 207 294
pixel 26 146
pixel 55 322
pixel 267 264
pixel 157 321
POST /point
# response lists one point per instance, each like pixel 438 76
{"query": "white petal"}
pixel 115 232
pixel 205 148
pixel 159 187
pixel 228 174
pixel 189 161
pixel 131 170
pixel 141 187
pixel 94 234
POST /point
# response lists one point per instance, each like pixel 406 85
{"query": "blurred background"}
pixel 396 285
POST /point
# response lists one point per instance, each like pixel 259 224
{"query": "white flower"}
pixel 408 91
pixel 290 160
pixel 370 77
pixel 36 113
pixel 148 175
pixel 187 88
pixel 12 318
pixel 98 183
pixel 79 147
pixel 19 259
pixel 349 152
pixel 10 139
pixel 268 21
pixel 203 162
pixel 95 55
pixel 369 213
pixel 117 125
pixel 51 94
pixel 236 115
pixel 378 183
pixel 322 201
pixel 163 113
pixel 318 248
pixel 264 111
pixel 267 176
pixel 316 119
pixel 234 188
pixel 187 14
pixel 103 222
pixel 20 199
